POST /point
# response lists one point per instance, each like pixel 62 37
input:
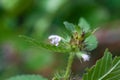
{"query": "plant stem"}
pixel 68 69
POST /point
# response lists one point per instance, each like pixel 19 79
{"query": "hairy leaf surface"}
pixel 91 42
pixel 47 46
pixel 84 25
pixel 105 69
pixel 69 26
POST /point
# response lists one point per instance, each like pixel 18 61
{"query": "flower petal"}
pixel 85 57
pixel 55 39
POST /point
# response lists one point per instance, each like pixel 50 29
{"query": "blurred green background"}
pixel 41 18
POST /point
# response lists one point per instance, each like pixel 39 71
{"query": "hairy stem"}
pixel 68 69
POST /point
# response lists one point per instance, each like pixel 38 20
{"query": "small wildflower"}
pixel 85 57
pixel 55 39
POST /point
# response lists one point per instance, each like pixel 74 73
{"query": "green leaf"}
pixel 91 42
pixel 47 46
pixel 78 29
pixel 84 25
pixel 27 77
pixel 105 69
pixel 69 26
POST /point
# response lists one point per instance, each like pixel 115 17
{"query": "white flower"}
pixel 55 39
pixel 85 57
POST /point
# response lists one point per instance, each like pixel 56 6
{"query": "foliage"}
pixel 77 43
pixel 91 42
pixel 84 25
pixel 36 18
pixel 69 26
pixel 27 77
pixel 45 45
pixel 105 69
pixel 81 40
pixel 79 32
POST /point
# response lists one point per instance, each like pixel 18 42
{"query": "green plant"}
pixel 79 42
pixel 105 69
pixel 27 77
